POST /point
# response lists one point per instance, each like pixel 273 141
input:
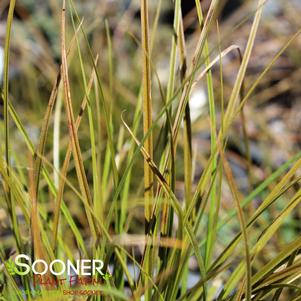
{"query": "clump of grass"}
pixel 132 195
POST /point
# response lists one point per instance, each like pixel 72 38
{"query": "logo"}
pixel 22 265
pixel 58 273
pixel 10 267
